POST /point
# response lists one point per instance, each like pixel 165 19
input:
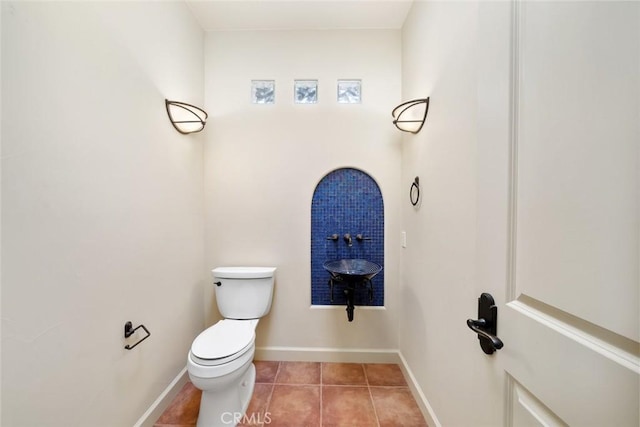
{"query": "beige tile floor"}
pixel 301 394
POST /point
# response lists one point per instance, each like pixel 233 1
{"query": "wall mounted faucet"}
pixel 360 237
pixel 348 239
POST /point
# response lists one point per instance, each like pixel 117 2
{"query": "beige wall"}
pixel 262 163
pixel 438 266
pixel 102 208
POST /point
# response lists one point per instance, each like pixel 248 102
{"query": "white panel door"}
pixel 559 218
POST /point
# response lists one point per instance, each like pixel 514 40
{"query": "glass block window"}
pixel 263 91
pixel 349 92
pixel 306 91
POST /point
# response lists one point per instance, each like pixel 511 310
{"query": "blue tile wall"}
pixel 346 200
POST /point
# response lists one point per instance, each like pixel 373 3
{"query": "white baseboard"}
pixel 326 354
pixel 418 395
pixel 163 401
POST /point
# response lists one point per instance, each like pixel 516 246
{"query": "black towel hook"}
pixel 415 186
pixel 129 330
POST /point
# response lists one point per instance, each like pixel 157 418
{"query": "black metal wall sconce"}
pixel 406 116
pixel 186 118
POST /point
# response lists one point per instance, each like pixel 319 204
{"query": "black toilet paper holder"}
pixel 129 330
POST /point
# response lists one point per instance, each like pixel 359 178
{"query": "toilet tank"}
pixel 243 292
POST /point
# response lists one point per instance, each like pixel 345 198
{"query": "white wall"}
pixel 102 208
pixel 438 266
pixel 262 163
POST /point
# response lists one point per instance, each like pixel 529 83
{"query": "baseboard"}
pixel 315 354
pixel 418 395
pixel 163 401
pixel 326 354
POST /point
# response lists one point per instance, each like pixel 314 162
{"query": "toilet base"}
pixel 226 407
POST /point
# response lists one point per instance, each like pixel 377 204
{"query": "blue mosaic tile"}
pixel 346 200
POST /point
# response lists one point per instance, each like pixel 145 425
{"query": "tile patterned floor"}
pixel 302 394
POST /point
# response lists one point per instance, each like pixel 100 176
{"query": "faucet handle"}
pixel 333 237
pixel 360 237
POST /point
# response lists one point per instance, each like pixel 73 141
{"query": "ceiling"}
pixel 214 15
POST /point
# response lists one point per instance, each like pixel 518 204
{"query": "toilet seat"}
pixel 223 342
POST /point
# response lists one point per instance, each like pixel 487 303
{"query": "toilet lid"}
pixel 223 339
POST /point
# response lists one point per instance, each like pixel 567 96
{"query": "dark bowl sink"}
pixel 352 269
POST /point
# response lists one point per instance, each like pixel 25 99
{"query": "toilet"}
pixel 220 362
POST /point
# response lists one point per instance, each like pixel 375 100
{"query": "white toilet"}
pixel 220 360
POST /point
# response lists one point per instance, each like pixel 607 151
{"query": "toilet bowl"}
pixel 220 364
pixel 220 359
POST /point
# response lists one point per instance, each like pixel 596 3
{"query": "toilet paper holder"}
pixel 129 330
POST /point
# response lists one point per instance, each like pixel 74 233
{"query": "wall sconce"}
pixel 409 116
pixel 186 118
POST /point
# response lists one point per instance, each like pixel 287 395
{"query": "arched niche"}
pixel 346 200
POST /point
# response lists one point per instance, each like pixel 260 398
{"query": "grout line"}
pixel 277 372
pixel 373 403
pixel 266 407
pixel 273 387
pixel 345 385
pixel 321 393
pixel 389 386
pixel 366 377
